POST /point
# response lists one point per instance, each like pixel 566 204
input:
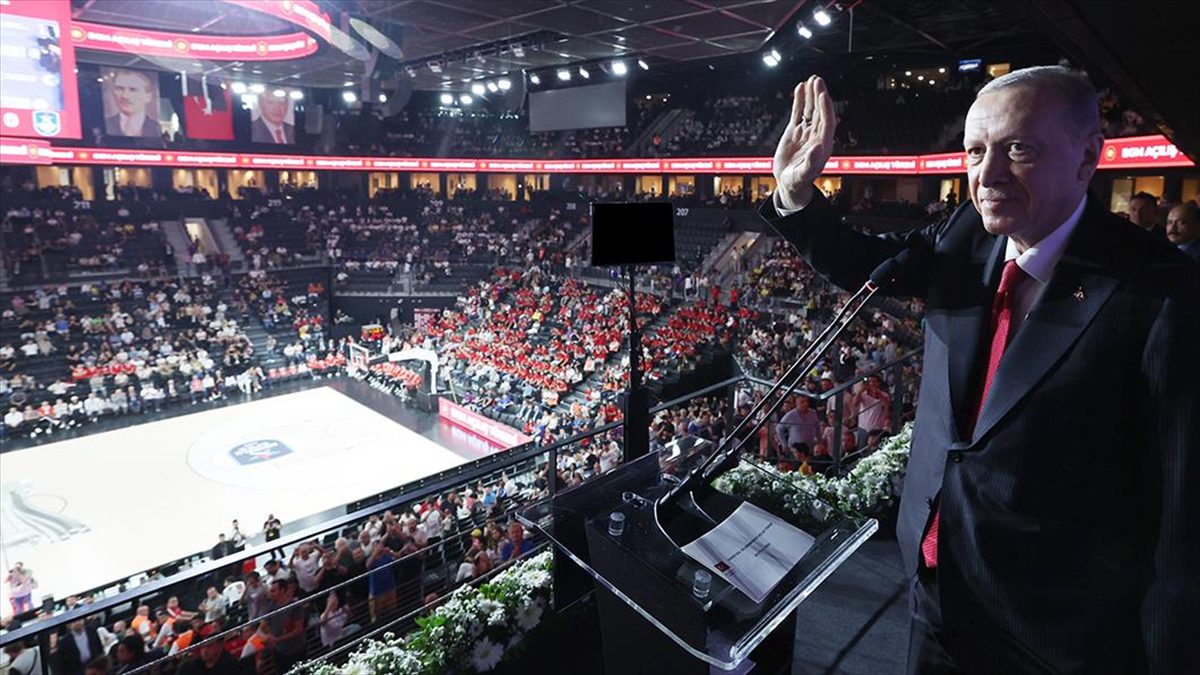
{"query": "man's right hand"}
pixel 806 144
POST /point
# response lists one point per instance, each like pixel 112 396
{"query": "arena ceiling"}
pixel 466 39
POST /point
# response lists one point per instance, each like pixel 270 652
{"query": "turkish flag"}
pixel 209 116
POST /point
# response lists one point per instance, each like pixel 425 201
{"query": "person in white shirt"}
pixel 306 562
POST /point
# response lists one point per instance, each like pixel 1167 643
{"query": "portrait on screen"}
pixel 272 120
pixel 130 103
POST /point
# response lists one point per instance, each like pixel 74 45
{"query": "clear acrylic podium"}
pixel 651 622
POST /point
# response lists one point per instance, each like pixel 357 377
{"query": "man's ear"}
pixel 1093 145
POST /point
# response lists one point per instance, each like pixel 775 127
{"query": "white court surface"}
pixel 87 511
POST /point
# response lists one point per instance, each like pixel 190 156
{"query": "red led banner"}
pixel 302 13
pixel 191 45
pixel 24 151
pixel 1124 153
pixel 1141 152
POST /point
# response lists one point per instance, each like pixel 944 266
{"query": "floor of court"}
pixel 93 509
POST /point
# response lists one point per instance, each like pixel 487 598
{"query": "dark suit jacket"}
pixel 150 127
pixel 259 133
pixel 1192 250
pixel 1069 539
pixel 67 659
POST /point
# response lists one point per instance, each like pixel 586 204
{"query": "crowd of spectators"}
pixel 82 353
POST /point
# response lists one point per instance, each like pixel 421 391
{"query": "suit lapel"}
pixel 1078 288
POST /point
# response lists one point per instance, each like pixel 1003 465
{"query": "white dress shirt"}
pixel 1039 261
pixel 131 125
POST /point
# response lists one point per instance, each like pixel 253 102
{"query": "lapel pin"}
pixel 1079 295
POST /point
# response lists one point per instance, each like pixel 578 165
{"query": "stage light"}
pixel 447 99
pixel 239 88
pixel 941 70
pixel 908 73
pixel 279 93
pixel 772 58
pixel 465 99
pixel 822 17
pixel 920 78
pixel 931 81
pixel 505 84
pixel 619 68
pixel 584 73
pixel 491 86
pixel 257 89
pixel 296 95
pixel 349 96
pixel 383 98
pixel 478 89
pixel 534 79
pixel 348 83
pixel 564 75
pixel 805 31
pixel 249 99
pixel 643 65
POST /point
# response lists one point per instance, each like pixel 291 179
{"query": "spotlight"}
pixel 931 81
pixel 584 73
pixel 383 98
pixel 491 86
pixel 908 73
pixel 465 99
pixel 348 83
pixel 478 89
pixel 505 84
pixel 619 68
pixel 249 99
pixel 239 88
pixel 805 31
pixel 257 89
pixel 534 79
pixel 643 65
pixel 941 70
pixel 920 78
pixel 772 58
pixel 279 93
pixel 349 96
pixel 296 95
pixel 447 99
pixel 822 17
pixel 564 75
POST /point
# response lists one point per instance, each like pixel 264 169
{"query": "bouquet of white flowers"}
pixel 811 501
pixel 471 632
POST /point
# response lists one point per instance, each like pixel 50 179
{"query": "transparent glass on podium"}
pixel 648 572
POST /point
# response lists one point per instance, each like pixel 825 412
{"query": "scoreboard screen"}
pixel 39 97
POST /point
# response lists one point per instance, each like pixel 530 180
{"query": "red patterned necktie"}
pixel 1002 314
pixel 279 136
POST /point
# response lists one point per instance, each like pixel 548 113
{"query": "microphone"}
pixel 899 268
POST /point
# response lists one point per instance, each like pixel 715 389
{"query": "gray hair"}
pixel 1072 86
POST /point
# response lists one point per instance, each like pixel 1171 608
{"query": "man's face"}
pixel 274 108
pixel 1143 213
pixel 1183 226
pixel 1027 164
pixel 131 93
pixel 802 404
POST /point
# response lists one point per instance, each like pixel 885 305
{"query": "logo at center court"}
pixel 256 452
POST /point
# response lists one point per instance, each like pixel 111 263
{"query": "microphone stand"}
pixel 726 456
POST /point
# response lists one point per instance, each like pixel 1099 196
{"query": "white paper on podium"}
pixel 751 549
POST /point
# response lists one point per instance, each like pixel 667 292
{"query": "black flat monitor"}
pixel 632 234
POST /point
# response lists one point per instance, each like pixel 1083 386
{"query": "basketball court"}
pixel 86 511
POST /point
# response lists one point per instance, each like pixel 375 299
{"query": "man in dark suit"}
pixel 133 92
pixel 1050 516
pixel 76 648
pixel 271 125
pixel 1183 229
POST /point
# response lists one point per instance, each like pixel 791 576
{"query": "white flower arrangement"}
pixel 814 500
pixel 472 631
